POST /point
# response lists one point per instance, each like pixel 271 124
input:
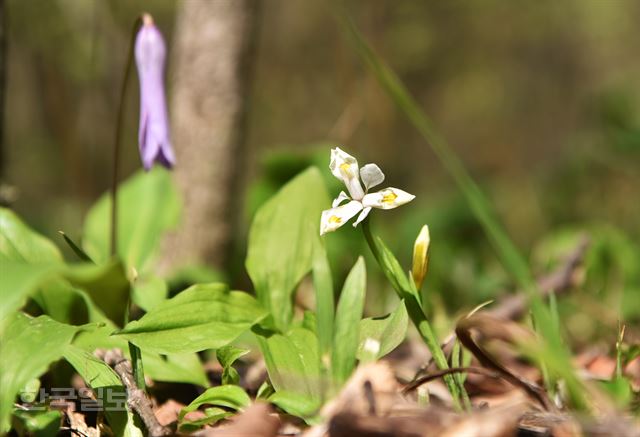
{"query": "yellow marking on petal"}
pixel 346 169
pixel 390 197
pixel 335 219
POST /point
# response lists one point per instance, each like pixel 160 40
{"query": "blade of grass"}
pixel 480 206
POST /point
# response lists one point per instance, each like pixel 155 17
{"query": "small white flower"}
pixel 345 167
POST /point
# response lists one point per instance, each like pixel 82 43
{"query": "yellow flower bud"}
pixel 421 257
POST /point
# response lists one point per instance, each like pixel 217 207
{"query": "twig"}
pixel 506 330
pixel 440 373
pixel 136 398
pixel 514 306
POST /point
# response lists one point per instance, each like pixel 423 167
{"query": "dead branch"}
pixel 492 327
pixel 136 399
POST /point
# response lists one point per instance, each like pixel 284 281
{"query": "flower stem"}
pixel 118 139
pixel 136 355
pixel 400 283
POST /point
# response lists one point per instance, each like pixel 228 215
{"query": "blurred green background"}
pixel 541 99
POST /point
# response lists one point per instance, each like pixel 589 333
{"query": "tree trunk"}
pixel 212 52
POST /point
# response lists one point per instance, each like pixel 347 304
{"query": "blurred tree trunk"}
pixel 213 52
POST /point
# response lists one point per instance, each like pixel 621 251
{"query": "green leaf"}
pixel 27 347
pixel 18 281
pixel 226 356
pixel 107 387
pixel 38 423
pixel 348 314
pixel 388 331
pixel 82 256
pixel 175 368
pixel 323 285
pixel 293 362
pixel 205 316
pixel 185 368
pixel 18 242
pixel 212 415
pixel 149 292
pixel 107 285
pixel 230 396
pixel 283 240
pixel 148 206
pixel 294 404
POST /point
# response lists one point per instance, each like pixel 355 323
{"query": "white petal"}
pixel 363 215
pixel 341 198
pixel 388 198
pixel 333 218
pixel 371 176
pixel 345 167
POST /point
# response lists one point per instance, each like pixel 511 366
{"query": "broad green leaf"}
pixel 293 362
pixel 294 404
pixel 283 239
pixel 230 396
pixel 348 314
pixel 175 368
pixel 149 291
pixel 386 332
pixel 185 368
pixel 205 316
pixel 107 387
pixel 18 242
pixel 323 285
pixel 106 284
pixel 18 281
pixel 27 347
pixel 64 303
pixel 38 423
pixel 148 206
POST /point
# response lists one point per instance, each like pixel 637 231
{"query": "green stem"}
pixel 416 313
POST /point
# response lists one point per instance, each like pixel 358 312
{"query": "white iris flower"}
pixel 345 167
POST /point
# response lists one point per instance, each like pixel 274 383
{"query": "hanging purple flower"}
pixel 153 136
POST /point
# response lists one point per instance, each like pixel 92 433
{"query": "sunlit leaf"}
pixel 18 242
pixel 148 206
pixel 108 389
pixel 206 316
pixel 230 396
pixel 348 314
pixel 27 347
pixel 293 363
pixel 387 332
pixel 282 242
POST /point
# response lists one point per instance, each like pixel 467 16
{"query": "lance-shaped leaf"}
pixel 381 335
pixel 293 364
pixel 107 388
pixel 283 240
pixel 205 316
pixel 27 347
pixel 348 314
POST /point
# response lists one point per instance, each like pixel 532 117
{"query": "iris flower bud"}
pixel 421 257
pixel 153 135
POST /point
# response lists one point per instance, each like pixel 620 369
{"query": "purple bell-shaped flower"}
pixel 153 136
